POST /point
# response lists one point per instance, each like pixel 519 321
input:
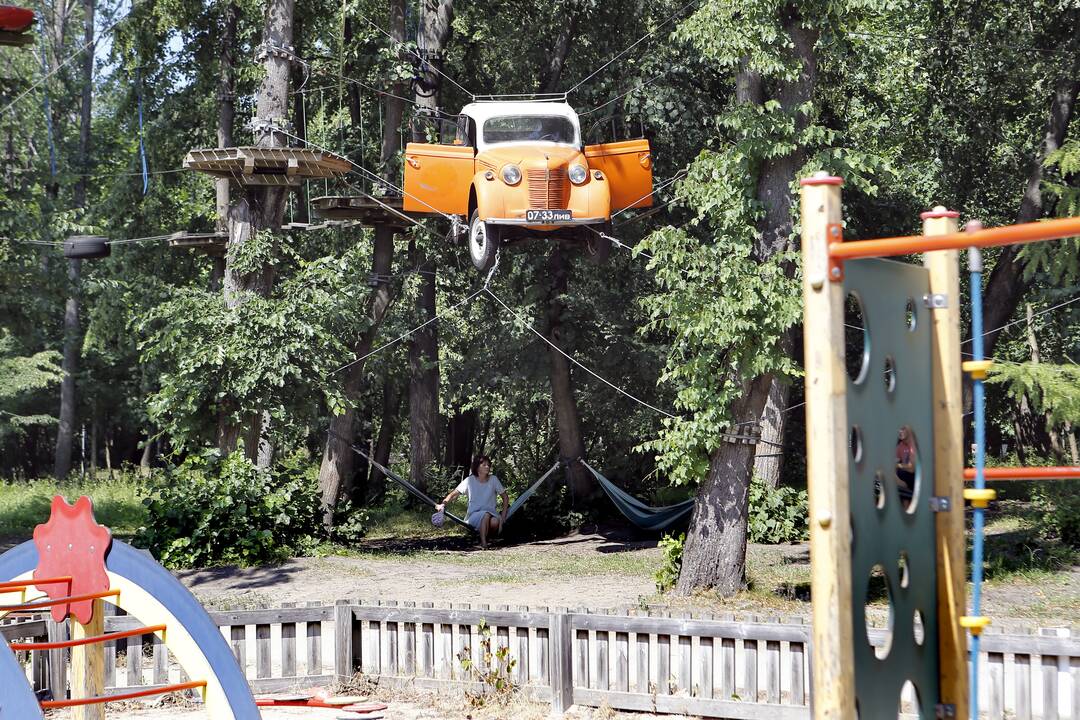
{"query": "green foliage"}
pixel 670 562
pixel 1060 260
pixel 1058 511
pixel 118 502
pixel 213 511
pixel 777 515
pixel 1052 389
pixel 21 376
pixel 492 672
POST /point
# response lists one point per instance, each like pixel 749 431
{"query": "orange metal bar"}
pixel 124 696
pixel 88 641
pixel 24 584
pixel 990 237
pixel 59 601
pixel 1026 473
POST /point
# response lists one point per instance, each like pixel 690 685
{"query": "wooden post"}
pixel 562 674
pixel 88 664
pixel 343 641
pixel 826 452
pixel 944 269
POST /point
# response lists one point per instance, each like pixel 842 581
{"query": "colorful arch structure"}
pixel 133 582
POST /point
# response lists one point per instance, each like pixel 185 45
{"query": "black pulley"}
pixel 86 247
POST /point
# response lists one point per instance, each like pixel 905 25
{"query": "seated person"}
pixel 905 464
pixel 481 488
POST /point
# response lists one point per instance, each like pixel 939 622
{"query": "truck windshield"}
pixel 518 128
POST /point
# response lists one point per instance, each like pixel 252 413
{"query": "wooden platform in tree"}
pixel 266 166
pixel 211 243
pixel 367 210
pixel 15 39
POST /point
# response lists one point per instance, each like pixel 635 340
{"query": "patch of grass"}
pixel 386 522
pixel 117 503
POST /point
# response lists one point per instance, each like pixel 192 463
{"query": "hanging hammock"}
pixel 425 498
pixel 644 516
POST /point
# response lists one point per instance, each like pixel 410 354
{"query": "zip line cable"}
pixel 1034 315
pixel 637 42
pixel 620 96
pixel 540 335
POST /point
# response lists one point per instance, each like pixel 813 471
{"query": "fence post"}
pixel 57 669
pixel 562 658
pixel 343 640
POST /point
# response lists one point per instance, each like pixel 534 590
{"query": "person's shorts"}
pixel 477 517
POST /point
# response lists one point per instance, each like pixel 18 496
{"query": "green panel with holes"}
pixel 892 555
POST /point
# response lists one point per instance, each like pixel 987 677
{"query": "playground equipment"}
pixel 74 566
pixel 905 371
pixel 15 24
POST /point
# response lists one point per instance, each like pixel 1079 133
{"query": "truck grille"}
pixel 548 189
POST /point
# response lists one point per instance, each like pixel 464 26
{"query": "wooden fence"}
pixel 709 666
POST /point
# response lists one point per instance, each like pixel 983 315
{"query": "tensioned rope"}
pixel 418 56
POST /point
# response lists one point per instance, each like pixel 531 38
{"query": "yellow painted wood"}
pixel 944 270
pixel 88 665
pixel 827 468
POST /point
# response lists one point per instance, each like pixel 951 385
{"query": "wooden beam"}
pixel 88 664
pixel 944 270
pixel 833 654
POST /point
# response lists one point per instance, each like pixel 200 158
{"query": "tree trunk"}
pixel 376 485
pixel 226 107
pixel 714 555
pixel 567 418
pixel 1047 436
pixel 147 456
pixel 257 216
pixel 70 365
pixel 337 461
pixel 423 377
pixel 1007 284
pixel 768 457
pixel 556 61
pixel 85 118
pixel 460 438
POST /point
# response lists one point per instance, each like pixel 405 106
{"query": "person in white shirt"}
pixel 481 488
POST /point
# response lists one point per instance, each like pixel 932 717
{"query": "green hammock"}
pixel 423 497
pixel 644 516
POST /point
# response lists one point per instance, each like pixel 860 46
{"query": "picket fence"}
pixel 648 660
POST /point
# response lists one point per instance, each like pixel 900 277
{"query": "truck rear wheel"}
pixel 484 241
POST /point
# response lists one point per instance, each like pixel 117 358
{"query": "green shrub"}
pixel 777 515
pixel 671 563
pixel 1058 506
pixel 212 511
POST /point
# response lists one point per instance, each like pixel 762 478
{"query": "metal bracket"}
pixel 936 301
pixel 940 503
pixel 835 234
pixel 943 711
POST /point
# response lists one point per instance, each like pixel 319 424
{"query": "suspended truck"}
pixel 519 170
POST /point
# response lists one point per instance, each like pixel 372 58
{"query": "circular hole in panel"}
pixel 877 588
pixel 855 443
pixel 890 374
pixel 918 628
pixel 910 318
pixel 909 704
pixel 908 468
pixel 902 567
pixel 856 339
pixel 879 490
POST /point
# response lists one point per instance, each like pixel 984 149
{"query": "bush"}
pixel 671 564
pixel 777 515
pixel 1058 506
pixel 212 511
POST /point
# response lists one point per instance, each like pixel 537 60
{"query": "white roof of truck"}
pixel 481 111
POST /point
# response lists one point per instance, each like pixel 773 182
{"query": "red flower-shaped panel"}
pixel 72 544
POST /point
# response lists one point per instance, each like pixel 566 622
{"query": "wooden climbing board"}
pixel 367 210
pixel 15 39
pixel 266 166
pixel 211 243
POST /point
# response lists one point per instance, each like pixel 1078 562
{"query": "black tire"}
pixel 597 248
pixel 484 242
pixel 86 247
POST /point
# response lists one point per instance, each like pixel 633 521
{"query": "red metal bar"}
pixel 23 584
pixel 90 640
pixel 990 237
pixel 97 700
pixel 1026 473
pixel 59 601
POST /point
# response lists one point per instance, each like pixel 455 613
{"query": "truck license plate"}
pixel 545 217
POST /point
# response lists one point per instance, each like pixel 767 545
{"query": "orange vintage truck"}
pixel 518 170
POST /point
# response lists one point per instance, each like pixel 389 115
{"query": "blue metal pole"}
pixel 975 267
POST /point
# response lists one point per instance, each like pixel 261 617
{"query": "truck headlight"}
pixel 578 174
pixel 511 174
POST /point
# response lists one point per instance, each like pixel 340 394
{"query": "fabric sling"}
pixel 644 516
